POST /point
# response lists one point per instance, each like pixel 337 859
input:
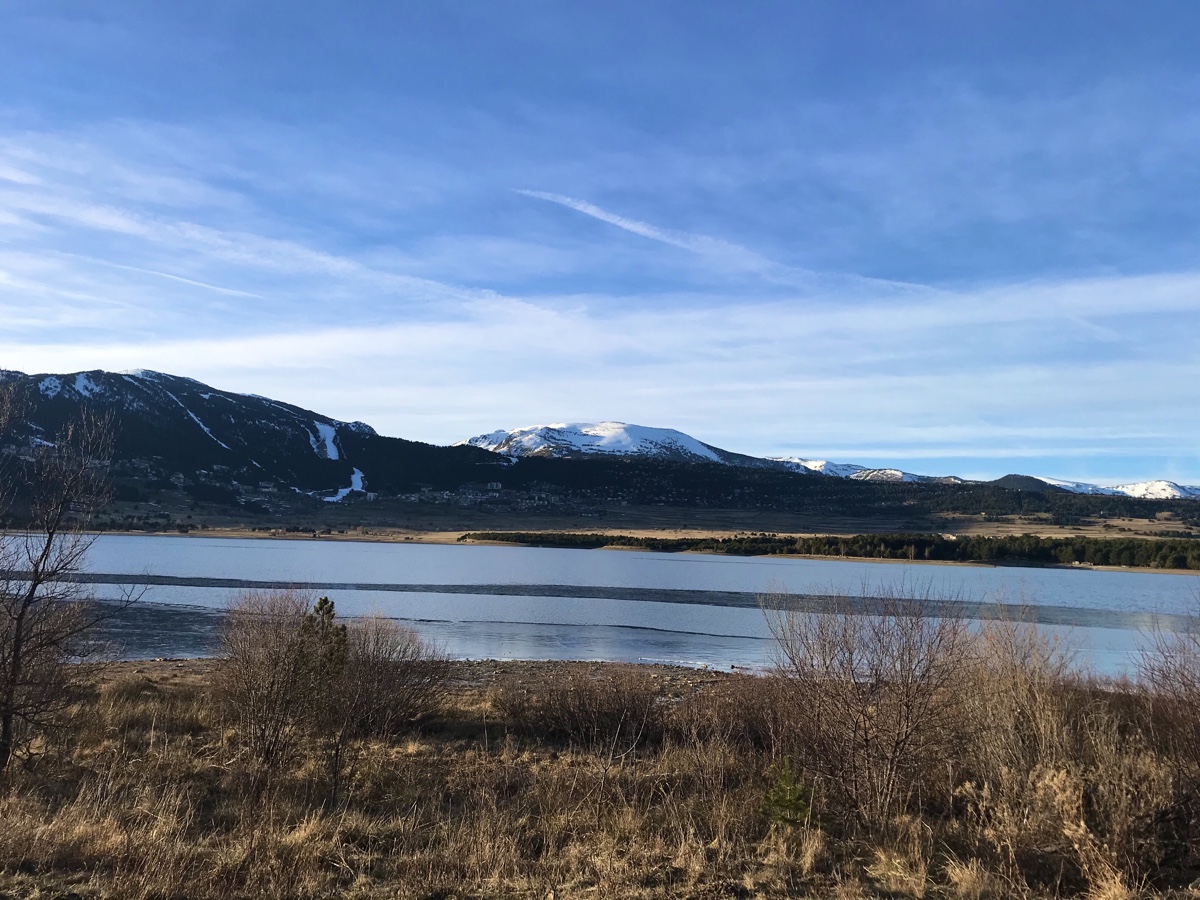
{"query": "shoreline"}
pixel 468 674
pixel 454 538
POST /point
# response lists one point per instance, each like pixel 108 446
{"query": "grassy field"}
pixel 399 520
pixel 539 780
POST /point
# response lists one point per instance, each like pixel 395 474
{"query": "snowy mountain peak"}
pixel 582 440
pixel 596 438
pixel 1078 487
pixel 1159 490
pixel 853 471
pixel 1142 490
pixel 820 466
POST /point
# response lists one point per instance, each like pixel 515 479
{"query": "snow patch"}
pixel 196 419
pixel 820 466
pixel 50 386
pixel 327 449
pixel 1159 490
pixel 356 484
pixel 85 387
pixel 1078 487
pixel 1142 490
pixel 849 470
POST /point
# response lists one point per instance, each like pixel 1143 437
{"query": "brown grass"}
pixel 567 780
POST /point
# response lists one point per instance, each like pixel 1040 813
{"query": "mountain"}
pixel 583 440
pixel 862 473
pixel 174 428
pixel 1142 490
pixel 176 434
pixel 617 439
pixel 580 441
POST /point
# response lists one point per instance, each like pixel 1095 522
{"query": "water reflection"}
pixel 1100 613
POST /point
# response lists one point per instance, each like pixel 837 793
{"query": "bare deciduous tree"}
pixel 262 679
pixel 49 492
pixel 874 695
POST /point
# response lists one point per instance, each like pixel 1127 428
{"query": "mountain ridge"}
pixel 582 439
pixel 178 429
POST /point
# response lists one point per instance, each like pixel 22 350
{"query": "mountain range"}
pixel 175 429
pixel 581 440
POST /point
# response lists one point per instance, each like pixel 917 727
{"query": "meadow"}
pixel 888 756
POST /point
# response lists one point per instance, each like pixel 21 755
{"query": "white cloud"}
pixel 767 378
pixel 164 271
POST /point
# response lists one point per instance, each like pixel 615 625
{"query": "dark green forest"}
pixel 1010 549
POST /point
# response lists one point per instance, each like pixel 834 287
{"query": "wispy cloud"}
pixel 909 274
pixel 755 378
pixel 722 252
pixel 696 243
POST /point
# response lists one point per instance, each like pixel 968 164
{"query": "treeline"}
pixel 1017 549
pixel 651 482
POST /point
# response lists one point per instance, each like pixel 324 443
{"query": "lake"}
pixel 534 603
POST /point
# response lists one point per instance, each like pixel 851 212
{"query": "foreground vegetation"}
pixel 894 755
pixel 1026 549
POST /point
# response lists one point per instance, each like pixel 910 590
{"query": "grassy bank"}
pixel 602 780
pixel 1007 549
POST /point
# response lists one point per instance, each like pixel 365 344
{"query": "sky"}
pixel 952 237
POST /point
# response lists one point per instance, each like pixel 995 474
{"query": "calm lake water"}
pixel 532 603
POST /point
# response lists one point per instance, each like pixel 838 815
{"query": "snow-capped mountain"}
pixel 1143 490
pixel 578 440
pixel 859 473
pixel 582 440
pixel 176 430
pixel 170 427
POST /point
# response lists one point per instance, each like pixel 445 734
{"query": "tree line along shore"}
pixel 1181 554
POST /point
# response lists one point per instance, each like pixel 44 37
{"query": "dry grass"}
pixel 644 783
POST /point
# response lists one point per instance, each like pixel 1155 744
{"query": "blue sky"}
pixel 953 237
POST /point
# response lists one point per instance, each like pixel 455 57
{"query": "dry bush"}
pixel 382 678
pixel 970 880
pixel 616 710
pixel 263 677
pixel 878 710
pixel 393 676
pixel 752 712
pixel 899 874
pixel 48 620
pixel 295 678
pixel 1062 782
pixel 1170 669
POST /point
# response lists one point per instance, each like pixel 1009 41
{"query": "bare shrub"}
pixel 383 677
pixel 294 677
pixel 613 710
pixel 876 696
pixel 1170 668
pixel 263 678
pixel 1061 782
pixel 393 677
pixel 970 880
pixel 751 712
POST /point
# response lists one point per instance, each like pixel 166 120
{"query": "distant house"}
pixel 493 486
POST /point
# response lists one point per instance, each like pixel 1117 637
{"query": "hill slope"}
pixel 173 427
